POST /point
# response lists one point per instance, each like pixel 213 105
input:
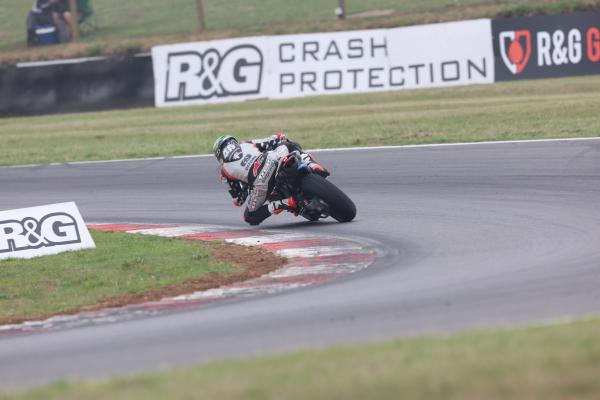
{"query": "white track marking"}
pixel 280 237
pixel 322 251
pixel 339 149
pixel 30 64
pixel 109 161
pixel 240 291
pixel 80 60
pixel 341 269
pixel 418 146
pixel 245 241
pixel 179 231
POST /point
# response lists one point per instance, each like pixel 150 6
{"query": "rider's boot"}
pixel 313 165
pixel 278 206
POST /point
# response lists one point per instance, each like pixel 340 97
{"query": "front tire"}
pixel 341 207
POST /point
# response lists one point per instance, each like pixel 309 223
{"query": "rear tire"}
pixel 341 207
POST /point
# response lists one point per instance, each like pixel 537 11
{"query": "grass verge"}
pixel 524 9
pixel 123 268
pixel 549 362
pixel 124 27
pixel 553 108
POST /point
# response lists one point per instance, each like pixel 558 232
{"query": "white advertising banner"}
pixel 287 66
pixel 454 53
pixel 328 63
pixel 44 230
pixel 217 71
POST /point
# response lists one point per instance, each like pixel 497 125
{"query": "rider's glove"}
pixel 279 137
pixel 271 143
pixel 238 191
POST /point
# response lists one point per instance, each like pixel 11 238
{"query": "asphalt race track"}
pixel 474 236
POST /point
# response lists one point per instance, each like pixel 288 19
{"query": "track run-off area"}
pixel 471 236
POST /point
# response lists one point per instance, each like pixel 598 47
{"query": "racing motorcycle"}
pixel 317 198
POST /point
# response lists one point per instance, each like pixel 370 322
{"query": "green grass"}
pixel 556 108
pixel 550 363
pixel 128 26
pixel 522 9
pixel 121 264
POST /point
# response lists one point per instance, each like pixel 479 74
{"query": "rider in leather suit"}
pixel 248 168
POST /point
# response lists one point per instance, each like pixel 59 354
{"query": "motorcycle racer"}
pixel 248 169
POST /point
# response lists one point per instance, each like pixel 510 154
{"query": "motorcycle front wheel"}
pixel 340 206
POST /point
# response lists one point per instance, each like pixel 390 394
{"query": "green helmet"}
pixel 219 144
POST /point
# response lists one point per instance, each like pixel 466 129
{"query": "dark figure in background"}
pixel 49 22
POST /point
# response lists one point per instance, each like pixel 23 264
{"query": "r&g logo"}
pixel 515 49
pixel 193 75
pixel 28 234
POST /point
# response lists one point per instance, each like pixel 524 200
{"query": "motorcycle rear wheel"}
pixel 341 207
